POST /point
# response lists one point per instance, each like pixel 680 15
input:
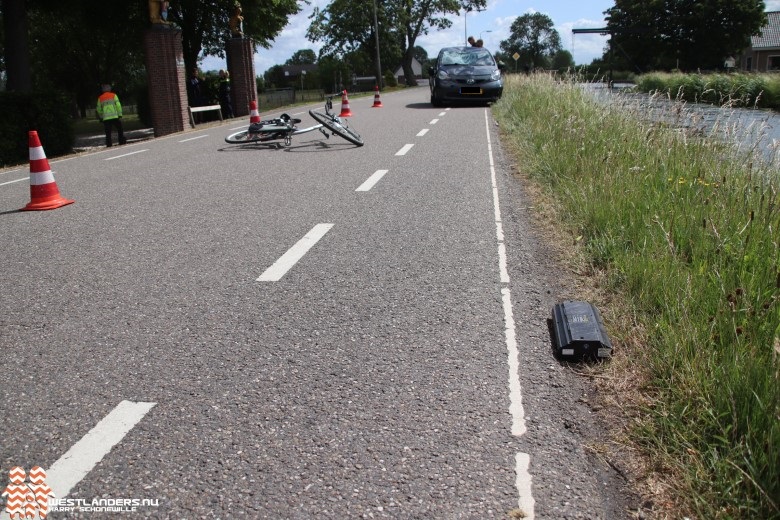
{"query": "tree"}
pixel 534 37
pixel 684 34
pixel 204 24
pixel 17 59
pixel 72 54
pixel 418 17
pixel 562 60
pixel 302 57
pixel 347 29
pixel 348 25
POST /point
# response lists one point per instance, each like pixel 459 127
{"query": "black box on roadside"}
pixel 578 332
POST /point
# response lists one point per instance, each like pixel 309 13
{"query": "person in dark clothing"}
pixel 194 91
pixel 224 94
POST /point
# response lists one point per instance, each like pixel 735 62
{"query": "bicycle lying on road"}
pixel 284 128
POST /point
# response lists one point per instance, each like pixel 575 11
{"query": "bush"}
pixel 390 79
pixel 47 112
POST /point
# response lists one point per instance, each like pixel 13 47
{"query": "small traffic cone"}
pixel 44 193
pixel 254 115
pixel 345 111
pixel 377 101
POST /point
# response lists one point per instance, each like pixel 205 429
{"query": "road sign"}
pixel 516 56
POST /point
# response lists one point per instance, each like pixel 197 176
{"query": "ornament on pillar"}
pixel 158 12
pixel 237 22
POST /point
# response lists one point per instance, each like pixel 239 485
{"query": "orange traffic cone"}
pixel 44 193
pixel 377 101
pixel 345 111
pixel 254 115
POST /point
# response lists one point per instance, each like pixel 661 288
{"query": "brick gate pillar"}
pixel 241 66
pixel 167 80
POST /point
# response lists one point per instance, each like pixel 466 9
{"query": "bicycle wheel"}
pixel 242 137
pixel 335 125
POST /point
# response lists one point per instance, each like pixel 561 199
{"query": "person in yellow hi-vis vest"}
pixel 109 112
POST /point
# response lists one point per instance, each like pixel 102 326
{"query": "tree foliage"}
pixel 346 28
pixel 74 55
pixel 204 23
pixel 534 38
pixel 347 25
pixel 76 45
pixel 682 34
pixel 302 57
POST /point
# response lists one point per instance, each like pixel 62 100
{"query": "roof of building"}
pixel 770 33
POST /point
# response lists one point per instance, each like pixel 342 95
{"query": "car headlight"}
pixel 443 75
pixel 495 75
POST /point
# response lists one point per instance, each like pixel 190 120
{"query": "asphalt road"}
pixel 396 369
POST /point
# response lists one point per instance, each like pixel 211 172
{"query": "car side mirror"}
pixel 431 71
pixel 501 66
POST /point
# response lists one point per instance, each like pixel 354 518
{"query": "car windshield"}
pixel 467 57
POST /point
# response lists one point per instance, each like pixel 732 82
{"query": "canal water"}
pixel 750 131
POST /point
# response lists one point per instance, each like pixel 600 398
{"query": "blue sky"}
pixel 492 24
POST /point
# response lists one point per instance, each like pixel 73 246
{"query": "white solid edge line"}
pixel 79 460
pixel 526 501
pixel 193 138
pixel 294 254
pixel 371 181
pixel 126 154
pixel 404 149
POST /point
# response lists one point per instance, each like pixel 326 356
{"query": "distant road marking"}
pixel 404 149
pixel 10 171
pixel 433 121
pixel 193 138
pixel 522 460
pixel 17 180
pixel 371 181
pixel 125 155
pixel 422 132
pixel 294 254
pixel 74 465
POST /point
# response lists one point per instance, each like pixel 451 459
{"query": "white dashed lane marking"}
pixel 294 254
pixel 371 181
pixel 404 149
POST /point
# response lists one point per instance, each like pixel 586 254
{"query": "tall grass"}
pixel 689 235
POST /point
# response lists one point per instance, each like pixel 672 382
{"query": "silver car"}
pixel 465 74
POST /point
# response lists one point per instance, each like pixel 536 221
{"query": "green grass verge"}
pixel 688 236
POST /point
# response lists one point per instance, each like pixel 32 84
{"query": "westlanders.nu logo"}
pixel 35 499
pixel 28 500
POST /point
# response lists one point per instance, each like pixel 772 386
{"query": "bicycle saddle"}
pixel 288 119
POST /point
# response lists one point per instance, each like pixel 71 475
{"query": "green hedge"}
pixel 45 112
pixel 749 90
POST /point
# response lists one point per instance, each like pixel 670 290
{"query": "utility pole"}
pixel 379 79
